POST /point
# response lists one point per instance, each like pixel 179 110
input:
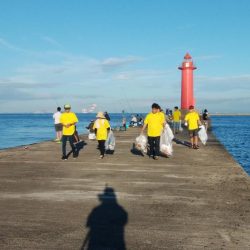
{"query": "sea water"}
pixel 24 129
pixel 234 133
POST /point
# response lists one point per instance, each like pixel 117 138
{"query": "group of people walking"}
pixel 66 122
pixel 154 123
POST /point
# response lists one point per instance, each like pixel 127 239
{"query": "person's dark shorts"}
pixel 58 127
pixel 193 132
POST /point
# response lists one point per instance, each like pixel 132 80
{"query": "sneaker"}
pixel 151 156
pixel 101 156
pixel 64 158
pixel 156 157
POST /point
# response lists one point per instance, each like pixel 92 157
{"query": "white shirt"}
pixel 56 117
pixel 134 119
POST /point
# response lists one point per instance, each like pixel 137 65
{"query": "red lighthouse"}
pixel 187 85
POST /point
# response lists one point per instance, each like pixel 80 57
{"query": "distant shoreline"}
pixel 229 114
pixel 211 114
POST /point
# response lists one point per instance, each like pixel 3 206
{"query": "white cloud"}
pixel 141 74
pixel 51 41
pixel 236 83
pixel 120 61
pixel 10 46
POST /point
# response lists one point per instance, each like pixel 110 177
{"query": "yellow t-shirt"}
pixel 192 118
pixel 101 125
pixel 68 118
pixel 177 115
pixel 155 123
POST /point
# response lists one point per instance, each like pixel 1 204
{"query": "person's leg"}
pixel 151 146
pixel 56 132
pixel 60 135
pixel 64 141
pixel 157 146
pixel 177 129
pixel 174 127
pixel 196 139
pixel 101 144
pixel 71 141
pixel 191 138
pixel 103 147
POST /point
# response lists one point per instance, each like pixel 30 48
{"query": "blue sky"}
pixel 123 54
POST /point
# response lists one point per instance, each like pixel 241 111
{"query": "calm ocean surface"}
pixel 23 129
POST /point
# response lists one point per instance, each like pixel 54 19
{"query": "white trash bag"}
pixel 141 143
pixel 202 133
pixel 166 145
pixel 110 142
pixel 91 136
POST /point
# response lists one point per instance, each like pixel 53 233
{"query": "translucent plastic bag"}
pixel 110 142
pixel 203 134
pixel 166 146
pixel 141 143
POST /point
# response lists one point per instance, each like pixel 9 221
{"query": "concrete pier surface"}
pixel 197 199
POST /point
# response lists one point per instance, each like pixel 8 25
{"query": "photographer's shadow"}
pixel 106 224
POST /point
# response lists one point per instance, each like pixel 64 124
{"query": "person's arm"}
pixel 107 125
pixel 145 124
pixel 186 121
pixel 95 129
pixel 70 124
pixel 75 121
pixel 143 128
pixel 164 120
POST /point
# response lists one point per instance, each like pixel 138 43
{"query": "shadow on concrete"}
pixel 184 143
pixel 136 151
pixel 110 152
pixel 79 146
pixel 106 224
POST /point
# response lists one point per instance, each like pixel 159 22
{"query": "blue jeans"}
pixel 176 126
pixel 69 138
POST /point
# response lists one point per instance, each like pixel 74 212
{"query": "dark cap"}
pixel 191 107
pixel 156 106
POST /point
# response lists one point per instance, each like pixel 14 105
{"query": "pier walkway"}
pixel 198 199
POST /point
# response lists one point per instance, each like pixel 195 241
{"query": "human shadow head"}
pixel 184 143
pixel 136 151
pixel 107 195
pixel 106 223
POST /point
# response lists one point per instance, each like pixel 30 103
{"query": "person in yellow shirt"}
pixel 68 120
pixel 192 120
pixel 101 127
pixel 176 120
pixel 155 122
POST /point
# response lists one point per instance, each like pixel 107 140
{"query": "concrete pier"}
pixel 198 199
